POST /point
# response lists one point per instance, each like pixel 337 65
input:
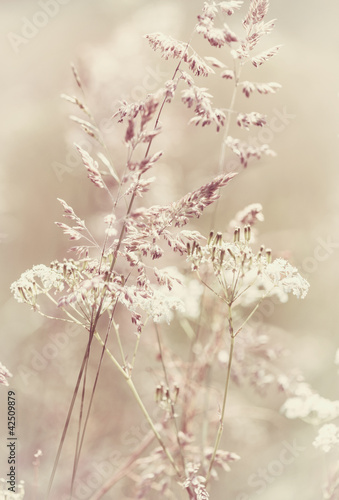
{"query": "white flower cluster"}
pixel 159 305
pixel 286 278
pixel 158 302
pixel 39 279
pixel 189 292
pixel 311 408
pixel 327 438
pixel 246 274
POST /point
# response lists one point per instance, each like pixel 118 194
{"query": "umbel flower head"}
pixel 39 279
pixel 245 274
pixel 327 438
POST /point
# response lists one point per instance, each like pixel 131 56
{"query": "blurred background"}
pixel 298 189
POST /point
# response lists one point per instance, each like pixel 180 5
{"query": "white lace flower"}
pixel 327 438
pixel 245 275
pixel 286 278
pixel 256 286
pixel 312 408
pixel 189 292
pixel 159 306
pixel 49 278
pixel 39 279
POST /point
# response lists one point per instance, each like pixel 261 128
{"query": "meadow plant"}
pixel 211 294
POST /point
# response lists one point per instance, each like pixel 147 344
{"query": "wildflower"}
pixel 286 278
pixel 155 303
pixel 246 151
pixel 92 167
pixel 231 6
pixel 188 291
pixel 196 482
pixel 262 88
pixel 244 120
pixel 204 113
pixel 222 459
pixel 327 438
pixel 39 279
pixel 169 47
pixel 228 74
pixel 311 408
pixel 241 272
pixel 264 56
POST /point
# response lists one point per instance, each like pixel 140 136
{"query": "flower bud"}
pixel 269 255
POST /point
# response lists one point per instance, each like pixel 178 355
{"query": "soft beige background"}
pixel 298 188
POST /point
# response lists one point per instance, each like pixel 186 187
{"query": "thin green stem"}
pixel 252 312
pixel 136 347
pixel 210 288
pixel 79 424
pixel 79 446
pixel 116 329
pixel 72 318
pixel 222 414
pixel 68 418
pixel 111 356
